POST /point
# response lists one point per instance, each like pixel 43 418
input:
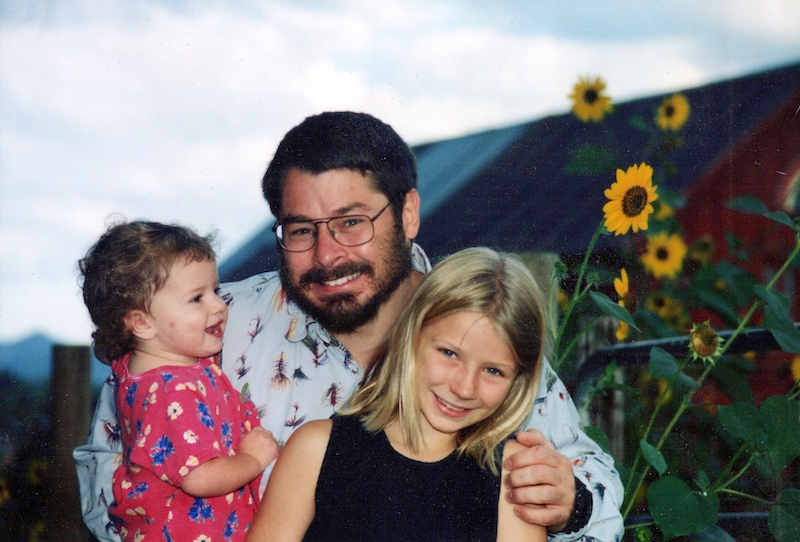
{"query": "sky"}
pixel 171 110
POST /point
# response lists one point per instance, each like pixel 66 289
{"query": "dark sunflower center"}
pixel 590 96
pixel 662 254
pixel 634 202
pixel 669 111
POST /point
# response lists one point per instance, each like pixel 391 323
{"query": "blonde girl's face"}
pixel 465 371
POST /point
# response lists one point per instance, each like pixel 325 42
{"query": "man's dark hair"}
pixel 344 140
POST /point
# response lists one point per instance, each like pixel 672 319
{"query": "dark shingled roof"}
pixel 509 189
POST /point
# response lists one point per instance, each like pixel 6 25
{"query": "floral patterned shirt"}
pixel 173 419
pixel 295 371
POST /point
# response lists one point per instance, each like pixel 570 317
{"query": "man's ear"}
pixel 411 214
pixel 139 323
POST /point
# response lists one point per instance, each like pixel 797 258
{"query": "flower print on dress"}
pixel 174 410
pixel 130 397
pixel 138 490
pixel 204 415
pixel 161 450
pixel 211 375
pixel 166 378
pixel 227 434
pixel 230 525
pixel 201 511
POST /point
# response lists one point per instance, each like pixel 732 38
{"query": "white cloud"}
pixel 171 111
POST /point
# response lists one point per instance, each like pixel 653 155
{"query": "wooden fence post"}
pixel 70 405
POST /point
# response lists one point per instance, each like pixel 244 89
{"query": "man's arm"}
pixel 96 462
pixel 562 464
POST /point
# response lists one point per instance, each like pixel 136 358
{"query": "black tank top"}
pixel 368 491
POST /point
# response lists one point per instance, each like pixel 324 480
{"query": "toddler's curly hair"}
pixel 124 269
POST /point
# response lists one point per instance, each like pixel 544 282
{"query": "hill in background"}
pixel 30 360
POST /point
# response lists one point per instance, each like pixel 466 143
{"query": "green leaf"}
pixel 679 511
pixel 599 436
pixel 664 365
pixel 784 519
pixel 775 300
pixel 780 417
pixel 638 122
pixel 591 160
pixel 716 302
pixel 653 456
pixel 715 533
pixel 748 204
pixel 777 320
pixel 739 419
pixel 616 310
pixel 782 218
pixel 702 481
pixel 785 332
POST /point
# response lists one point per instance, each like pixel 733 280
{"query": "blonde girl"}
pixel 416 453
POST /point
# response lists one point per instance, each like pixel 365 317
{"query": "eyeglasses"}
pixel 348 230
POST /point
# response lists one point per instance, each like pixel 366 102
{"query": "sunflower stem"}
pixel 576 294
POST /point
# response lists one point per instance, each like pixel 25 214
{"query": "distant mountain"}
pixel 30 359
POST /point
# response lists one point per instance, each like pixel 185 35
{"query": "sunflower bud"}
pixel 704 342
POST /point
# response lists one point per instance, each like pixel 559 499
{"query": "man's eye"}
pixel 352 221
pixel 299 231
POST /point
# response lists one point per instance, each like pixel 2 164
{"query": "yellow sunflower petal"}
pixel 631 198
pixel 665 254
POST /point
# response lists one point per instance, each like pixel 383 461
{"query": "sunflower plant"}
pixel 689 453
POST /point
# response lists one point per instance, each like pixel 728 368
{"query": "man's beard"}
pixel 341 313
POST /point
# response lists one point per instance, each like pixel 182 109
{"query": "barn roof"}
pixel 509 188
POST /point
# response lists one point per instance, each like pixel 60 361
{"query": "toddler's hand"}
pixel 261 445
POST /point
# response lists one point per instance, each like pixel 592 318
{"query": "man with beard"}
pixel 342 187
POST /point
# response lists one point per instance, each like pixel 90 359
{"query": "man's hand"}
pixel 541 482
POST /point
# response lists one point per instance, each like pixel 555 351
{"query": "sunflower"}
pixel 622 287
pixel 673 113
pixel 663 211
pixel 589 103
pixel 704 343
pixel 664 256
pixel 631 199
pixel 795 368
pixel 623 328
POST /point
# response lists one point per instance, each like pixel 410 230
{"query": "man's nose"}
pixel 327 251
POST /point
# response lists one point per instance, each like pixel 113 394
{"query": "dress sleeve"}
pixel 96 462
pixel 555 415
pixel 177 429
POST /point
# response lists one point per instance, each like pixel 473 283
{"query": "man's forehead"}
pixel 361 187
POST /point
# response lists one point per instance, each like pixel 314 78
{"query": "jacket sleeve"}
pixel 96 462
pixel 555 415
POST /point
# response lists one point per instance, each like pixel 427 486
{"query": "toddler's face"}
pixel 187 314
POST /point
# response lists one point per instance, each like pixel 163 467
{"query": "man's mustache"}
pixel 318 275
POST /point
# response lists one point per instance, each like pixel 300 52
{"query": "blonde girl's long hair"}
pixel 497 285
